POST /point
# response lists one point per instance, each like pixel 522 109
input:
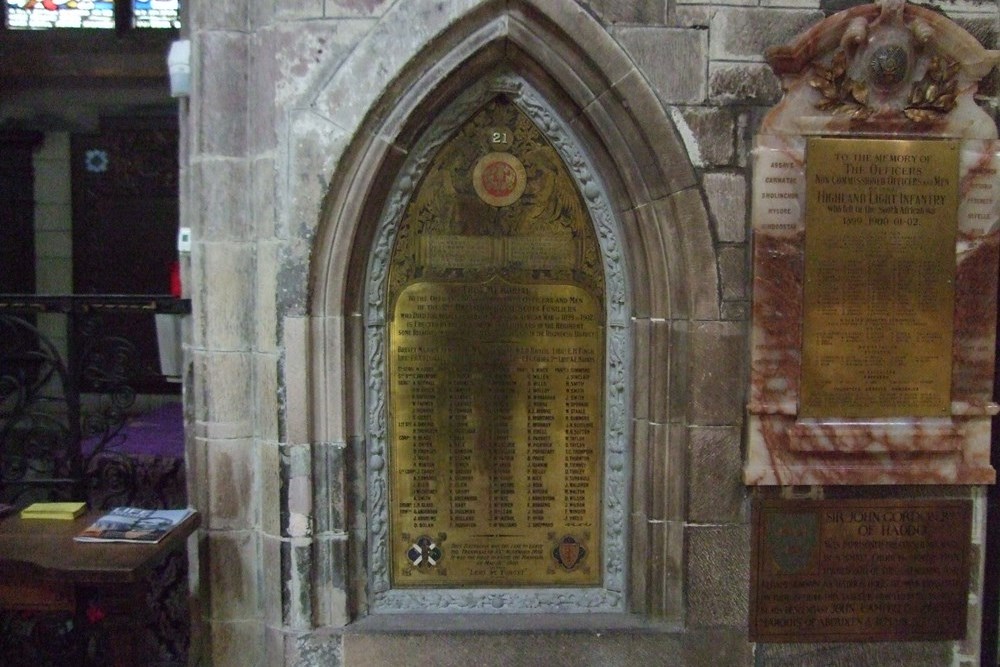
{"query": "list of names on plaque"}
pixel 496 427
pixel 860 570
pixel 879 278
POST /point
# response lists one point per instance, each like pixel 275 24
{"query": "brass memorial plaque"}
pixel 879 278
pixel 859 570
pixel 496 364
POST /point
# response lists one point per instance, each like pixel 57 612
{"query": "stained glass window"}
pixel 41 14
pixel 156 13
pixel 44 14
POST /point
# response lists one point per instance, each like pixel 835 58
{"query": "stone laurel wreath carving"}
pixel 610 597
pixel 930 99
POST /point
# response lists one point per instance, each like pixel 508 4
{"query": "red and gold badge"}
pixel 499 179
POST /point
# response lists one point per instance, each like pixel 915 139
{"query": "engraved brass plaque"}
pixel 859 570
pixel 879 278
pixel 496 364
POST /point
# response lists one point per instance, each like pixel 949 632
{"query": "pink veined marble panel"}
pixel 887 71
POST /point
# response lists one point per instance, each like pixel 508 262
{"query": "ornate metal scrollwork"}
pixel 62 420
pixel 38 444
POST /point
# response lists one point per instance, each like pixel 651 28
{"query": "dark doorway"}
pixel 125 213
pixel 17 211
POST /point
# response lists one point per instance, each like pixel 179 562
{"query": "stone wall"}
pixel 297 109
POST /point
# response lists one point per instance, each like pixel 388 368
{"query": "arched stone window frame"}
pixel 668 257
pixel 610 596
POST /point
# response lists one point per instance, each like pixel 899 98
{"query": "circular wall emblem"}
pixel 889 65
pixel 499 179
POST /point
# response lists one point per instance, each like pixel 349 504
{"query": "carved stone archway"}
pixel 610 595
pixel 660 231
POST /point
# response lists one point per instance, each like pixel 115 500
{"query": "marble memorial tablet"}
pixel 874 252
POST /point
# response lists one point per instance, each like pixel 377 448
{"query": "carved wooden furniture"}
pixel 43 569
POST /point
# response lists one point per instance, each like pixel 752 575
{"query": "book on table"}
pixel 63 511
pixel 133 524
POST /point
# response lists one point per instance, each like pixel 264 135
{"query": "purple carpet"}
pixel 158 433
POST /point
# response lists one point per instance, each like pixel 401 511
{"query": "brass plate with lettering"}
pixel 496 419
pixel 859 570
pixel 496 369
pixel 878 313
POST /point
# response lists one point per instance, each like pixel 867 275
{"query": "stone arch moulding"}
pixel 592 93
pixel 611 595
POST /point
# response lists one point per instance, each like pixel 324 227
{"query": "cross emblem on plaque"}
pixel 424 552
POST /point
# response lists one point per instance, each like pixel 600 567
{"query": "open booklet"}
pixel 132 524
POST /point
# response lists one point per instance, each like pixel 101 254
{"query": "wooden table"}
pixel 43 569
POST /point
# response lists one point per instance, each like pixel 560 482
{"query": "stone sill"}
pixel 594 624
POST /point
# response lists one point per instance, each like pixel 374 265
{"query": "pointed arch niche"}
pixel 593 275
pixel 564 71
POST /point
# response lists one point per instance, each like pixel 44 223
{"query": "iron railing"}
pixel 56 397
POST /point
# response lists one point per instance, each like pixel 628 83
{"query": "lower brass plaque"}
pixel 859 570
pixel 496 414
pixel 879 278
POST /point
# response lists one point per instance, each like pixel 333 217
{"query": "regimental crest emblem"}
pixel 569 553
pixel 424 552
pixel 791 539
pixel 499 179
